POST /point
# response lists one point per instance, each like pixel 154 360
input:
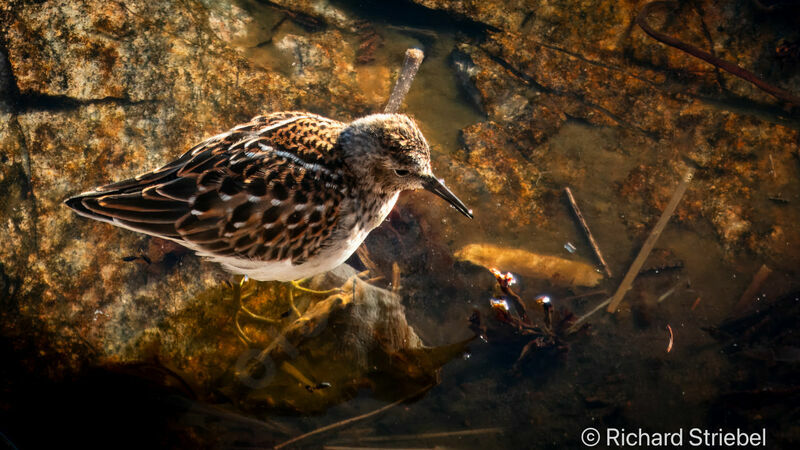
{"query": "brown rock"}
pixel 103 92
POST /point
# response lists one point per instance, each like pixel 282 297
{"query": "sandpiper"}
pixel 285 196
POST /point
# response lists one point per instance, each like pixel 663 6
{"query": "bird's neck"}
pixel 373 206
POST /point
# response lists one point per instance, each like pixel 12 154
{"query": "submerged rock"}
pixel 357 337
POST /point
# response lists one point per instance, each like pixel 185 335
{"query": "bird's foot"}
pixel 296 284
pixel 239 295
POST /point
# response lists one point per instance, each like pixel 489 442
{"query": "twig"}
pixel 727 66
pixel 587 231
pixel 395 277
pixel 778 199
pixel 585 294
pixel 666 295
pixel 581 319
pixel 670 291
pixel 435 435
pixel 411 64
pixel 651 241
pixel 351 420
pixel 430 34
pixel 758 280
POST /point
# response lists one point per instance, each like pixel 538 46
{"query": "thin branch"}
pixel 351 420
pixel 587 231
pixel 395 278
pixel 641 20
pixel 581 319
pixel 433 435
pixel 627 282
pixel 585 294
pixel 411 64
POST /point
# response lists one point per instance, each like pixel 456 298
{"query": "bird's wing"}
pixel 269 189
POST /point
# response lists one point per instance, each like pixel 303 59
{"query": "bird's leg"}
pixel 250 314
pixel 238 297
pixel 240 332
pixel 292 305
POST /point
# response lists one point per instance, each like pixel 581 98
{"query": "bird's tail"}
pixel 142 204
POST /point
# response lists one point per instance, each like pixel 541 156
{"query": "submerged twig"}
pixel 727 66
pixel 395 278
pixel 587 231
pixel 778 199
pixel 411 64
pixel 351 420
pixel 434 435
pixel 669 292
pixel 627 282
pixel 585 294
pixel 583 318
pixel 758 280
pixel 430 34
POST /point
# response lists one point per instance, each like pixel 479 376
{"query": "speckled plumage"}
pixel 284 196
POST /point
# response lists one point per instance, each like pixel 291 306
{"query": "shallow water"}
pixel 663 391
pixel 619 374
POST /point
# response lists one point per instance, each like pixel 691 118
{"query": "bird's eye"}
pixel 401 172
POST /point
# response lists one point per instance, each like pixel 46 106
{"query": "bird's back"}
pixel 267 190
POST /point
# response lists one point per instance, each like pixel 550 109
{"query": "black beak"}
pixel 431 183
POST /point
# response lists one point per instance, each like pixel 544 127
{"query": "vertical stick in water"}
pixel 411 64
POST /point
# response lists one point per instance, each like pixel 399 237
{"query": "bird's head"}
pixel 388 151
